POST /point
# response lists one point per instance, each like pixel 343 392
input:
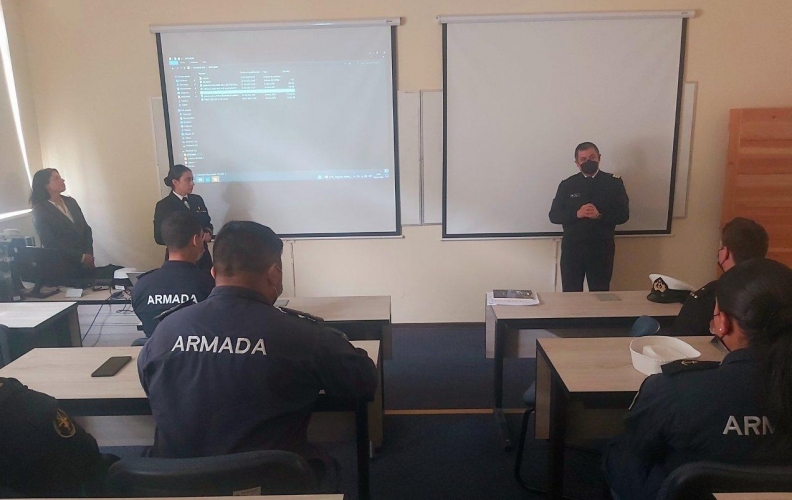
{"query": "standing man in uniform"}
pixel 234 373
pixel 589 205
pixel 179 279
pixel 741 240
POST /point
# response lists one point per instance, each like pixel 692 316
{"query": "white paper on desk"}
pixel 492 301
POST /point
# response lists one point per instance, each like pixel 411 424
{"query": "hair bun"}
pixel 168 181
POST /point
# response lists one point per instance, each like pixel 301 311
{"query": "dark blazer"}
pixel 56 231
pixel 172 203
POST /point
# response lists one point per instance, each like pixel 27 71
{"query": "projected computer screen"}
pixel 293 128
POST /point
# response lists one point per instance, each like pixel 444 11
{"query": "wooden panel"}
pixel 758 182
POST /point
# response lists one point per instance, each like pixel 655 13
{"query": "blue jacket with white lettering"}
pixel 233 373
pixel 173 283
pixel 712 414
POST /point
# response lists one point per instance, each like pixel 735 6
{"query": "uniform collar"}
pixel 180 197
pixel 178 263
pixel 740 355
pixel 238 291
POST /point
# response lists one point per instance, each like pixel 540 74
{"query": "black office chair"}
pixel 264 472
pixel 699 480
pixel 5 346
pixel 643 326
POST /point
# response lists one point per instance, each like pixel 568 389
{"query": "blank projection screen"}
pixel 290 126
pixel 520 95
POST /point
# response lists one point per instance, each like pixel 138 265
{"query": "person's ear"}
pixel 721 324
pixel 213 272
pixel 197 240
pixel 273 274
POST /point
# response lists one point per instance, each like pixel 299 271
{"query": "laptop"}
pixel 133 276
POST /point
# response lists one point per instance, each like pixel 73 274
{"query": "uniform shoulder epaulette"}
pixel 704 290
pixel 301 314
pixel 168 312
pixel 688 365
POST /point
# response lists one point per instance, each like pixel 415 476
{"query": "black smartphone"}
pixel 112 366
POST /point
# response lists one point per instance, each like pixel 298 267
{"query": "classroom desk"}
pixel 66 376
pixel 583 390
pixel 558 310
pixel 37 325
pixel 753 496
pixel 361 317
pixel 318 496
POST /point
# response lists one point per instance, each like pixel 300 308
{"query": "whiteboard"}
pixel 521 95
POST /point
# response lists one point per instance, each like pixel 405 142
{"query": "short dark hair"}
pixel 745 239
pixel 178 229
pixel 584 146
pixel 246 247
pixel 175 172
pixel 38 192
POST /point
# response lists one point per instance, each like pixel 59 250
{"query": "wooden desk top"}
pixel 753 496
pixel 28 314
pixel 590 365
pixel 361 308
pixel 254 497
pixel 587 305
pixel 65 373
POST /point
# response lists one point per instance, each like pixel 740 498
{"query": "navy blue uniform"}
pixel 234 374
pixel 696 313
pixel 43 453
pixel 172 203
pixel 712 414
pixel 161 289
pixel 587 248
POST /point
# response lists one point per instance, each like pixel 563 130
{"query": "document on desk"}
pixel 524 298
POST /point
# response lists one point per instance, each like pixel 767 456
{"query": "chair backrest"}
pixel 266 472
pixel 643 326
pixel 5 348
pixel 700 479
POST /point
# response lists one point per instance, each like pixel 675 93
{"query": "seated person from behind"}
pixel 234 373
pixel 741 239
pixel 43 452
pixel 61 226
pixel 179 279
pixel 737 411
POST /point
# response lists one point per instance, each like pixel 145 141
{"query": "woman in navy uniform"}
pixel 180 180
pixel 736 411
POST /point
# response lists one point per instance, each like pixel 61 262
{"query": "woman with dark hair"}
pixel 738 411
pixel 60 223
pixel 180 180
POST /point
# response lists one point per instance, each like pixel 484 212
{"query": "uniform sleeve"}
pixel 651 420
pixel 208 223
pixel 618 212
pixel 344 371
pixel 560 211
pixel 48 235
pixel 160 213
pixel 87 243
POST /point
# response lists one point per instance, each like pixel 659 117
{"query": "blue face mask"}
pixel 589 167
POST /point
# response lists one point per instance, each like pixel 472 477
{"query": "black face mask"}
pixel 589 167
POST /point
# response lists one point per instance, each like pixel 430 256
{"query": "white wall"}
pixel 93 68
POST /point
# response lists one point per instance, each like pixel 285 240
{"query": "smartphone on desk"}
pixel 112 366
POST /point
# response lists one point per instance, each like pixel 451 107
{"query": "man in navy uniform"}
pixel 179 279
pixel 234 373
pixel 43 453
pixel 589 205
pixel 741 240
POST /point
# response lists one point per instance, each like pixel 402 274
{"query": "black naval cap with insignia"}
pixel 666 290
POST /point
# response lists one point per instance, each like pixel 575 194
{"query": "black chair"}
pixel 5 346
pixel 264 472
pixel 643 326
pixel 699 480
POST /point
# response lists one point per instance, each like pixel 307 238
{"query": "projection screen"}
pixel 290 125
pixel 521 94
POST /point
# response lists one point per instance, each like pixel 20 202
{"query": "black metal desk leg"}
pixel 558 423
pixel 361 432
pixel 500 336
